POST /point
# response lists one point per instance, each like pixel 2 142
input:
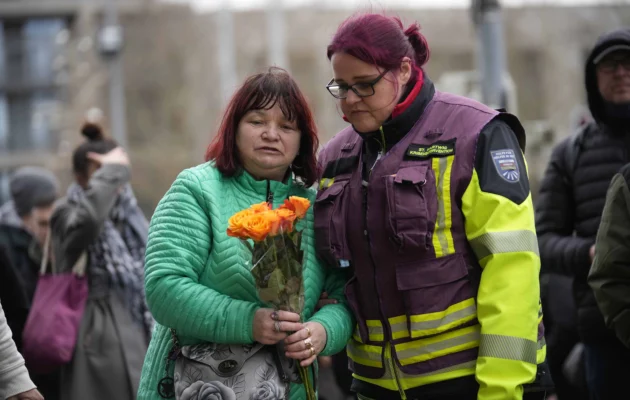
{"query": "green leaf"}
pixel 277 281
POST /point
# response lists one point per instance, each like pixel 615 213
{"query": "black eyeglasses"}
pixel 610 65
pixel 361 89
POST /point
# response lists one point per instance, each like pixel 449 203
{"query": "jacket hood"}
pixel 620 37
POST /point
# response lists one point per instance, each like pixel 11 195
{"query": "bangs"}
pixel 272 89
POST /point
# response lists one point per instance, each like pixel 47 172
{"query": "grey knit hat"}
pixel 33 187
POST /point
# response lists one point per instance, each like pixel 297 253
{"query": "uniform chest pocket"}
pixel 408 193
pixel 330 224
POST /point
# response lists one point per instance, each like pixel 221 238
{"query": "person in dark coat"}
pixel 24 222
pixel 100 216
pixel 610 274
pixel 571 200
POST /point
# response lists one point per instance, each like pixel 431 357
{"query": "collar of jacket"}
pixel 247 183
pixel 394 129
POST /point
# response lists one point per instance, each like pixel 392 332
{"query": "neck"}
pixel 279 176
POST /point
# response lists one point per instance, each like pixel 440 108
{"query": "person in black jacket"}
pixel 571 200
pixel 23 228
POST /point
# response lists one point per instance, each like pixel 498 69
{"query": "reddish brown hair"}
pixel 382 41
pixel 262 92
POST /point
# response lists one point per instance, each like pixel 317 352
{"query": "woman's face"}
pixel 267 143
pixel 367 114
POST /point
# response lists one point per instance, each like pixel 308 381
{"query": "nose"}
pixel 352 98
pixel 272 133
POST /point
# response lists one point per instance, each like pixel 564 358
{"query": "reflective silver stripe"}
pixel 375 330
pixel 449 318
pixel 438 346
pixel 504 242
pixel 541 343
pixel 441 215
pixel 358 355
pixel 508 348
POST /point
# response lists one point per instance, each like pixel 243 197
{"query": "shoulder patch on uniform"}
pixel 506 164
pixel 438 149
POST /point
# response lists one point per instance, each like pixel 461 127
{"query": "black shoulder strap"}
pixel 572 153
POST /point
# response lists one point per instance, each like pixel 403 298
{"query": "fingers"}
pixel 308 361
pixel 287 316
pixel 289 326
pixel 303 355
pixel 297 337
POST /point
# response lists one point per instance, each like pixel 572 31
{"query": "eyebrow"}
pixel 356 78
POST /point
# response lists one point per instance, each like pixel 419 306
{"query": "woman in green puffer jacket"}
pixel 197 278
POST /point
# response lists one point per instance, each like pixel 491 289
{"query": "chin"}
pixel 364 127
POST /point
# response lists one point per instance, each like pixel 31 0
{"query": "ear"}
pixel 405 71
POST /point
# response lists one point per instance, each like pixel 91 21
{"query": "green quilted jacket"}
pixel 196 277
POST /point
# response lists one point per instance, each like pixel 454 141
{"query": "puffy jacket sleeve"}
pixel 560 250
pixel 499 224
pixel 337 319
pixel 610 275
pixel 14 378
pixel 177 251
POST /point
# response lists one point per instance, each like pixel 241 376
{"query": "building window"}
pixel 30 84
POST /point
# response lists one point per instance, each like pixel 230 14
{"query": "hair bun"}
pixel 419 44
pixel 93 132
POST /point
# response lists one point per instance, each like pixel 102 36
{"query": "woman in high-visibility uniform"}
pixel 425 197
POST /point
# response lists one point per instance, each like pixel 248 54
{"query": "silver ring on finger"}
pixel 308 343
pixel 312 349
pixel 276 326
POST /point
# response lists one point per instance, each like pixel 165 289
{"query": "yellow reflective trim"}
pixel 442 236
pixel 375 330
pixel 365 354
pixel 508 348
pixel 412 381
pixel 356 335
pixel 438 346
pixel 436 322
pixel 326 183
pixel 448 214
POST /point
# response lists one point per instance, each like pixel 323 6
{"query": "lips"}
pixel 269 150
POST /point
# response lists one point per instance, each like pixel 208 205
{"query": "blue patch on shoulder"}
pixel 506 164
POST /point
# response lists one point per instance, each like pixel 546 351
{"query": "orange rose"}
pixel 260 207
pixel 258 226
pixel 235 223
pixel 286 218
pixel 299 205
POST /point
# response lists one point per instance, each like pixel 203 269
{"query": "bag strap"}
pixel 79 265
pixel 572 154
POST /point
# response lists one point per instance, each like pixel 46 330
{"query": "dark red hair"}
pixel 382 41
pixel 262 92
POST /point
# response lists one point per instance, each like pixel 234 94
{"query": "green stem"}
pixel 310 392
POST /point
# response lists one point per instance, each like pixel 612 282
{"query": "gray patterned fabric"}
pixel 119 250
pixel 233 372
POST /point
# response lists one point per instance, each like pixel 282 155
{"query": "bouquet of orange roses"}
pixel 276 256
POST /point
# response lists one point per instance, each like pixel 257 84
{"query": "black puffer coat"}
pixel 572 197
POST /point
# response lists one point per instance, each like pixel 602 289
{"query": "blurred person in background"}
pixel 426 198
pixel 100 215
pixel 610 274
pixel 569 208
pixel 15 383
pixel 198 279
pixel 24 224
